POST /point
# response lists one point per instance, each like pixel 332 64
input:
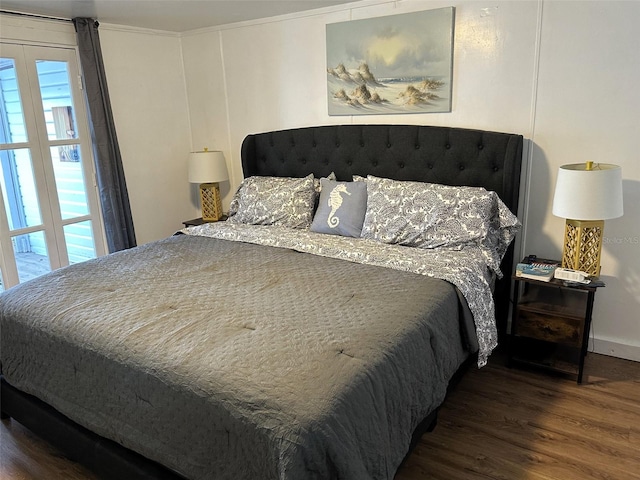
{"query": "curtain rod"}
pixel 35 15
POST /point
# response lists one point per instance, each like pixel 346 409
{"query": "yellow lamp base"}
pixel 211 202
pixel 583 245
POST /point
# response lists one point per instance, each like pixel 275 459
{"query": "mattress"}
pixel 231 360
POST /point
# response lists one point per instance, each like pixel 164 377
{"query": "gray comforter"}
pixel 228 360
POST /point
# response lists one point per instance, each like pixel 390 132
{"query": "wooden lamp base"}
pixel 583 245
pixel 211 202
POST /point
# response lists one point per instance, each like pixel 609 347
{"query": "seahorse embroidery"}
pixel 335 200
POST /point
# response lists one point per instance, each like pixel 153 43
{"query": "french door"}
pixel 49 211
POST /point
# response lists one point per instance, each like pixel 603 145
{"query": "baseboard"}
pixel 614 348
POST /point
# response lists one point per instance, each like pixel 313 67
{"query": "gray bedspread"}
pixel 228 360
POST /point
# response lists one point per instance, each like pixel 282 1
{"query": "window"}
pixel 50 212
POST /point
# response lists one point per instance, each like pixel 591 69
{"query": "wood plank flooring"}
pixel 30 265
pixel 498 423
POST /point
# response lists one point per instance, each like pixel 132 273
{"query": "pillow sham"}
pixel 503 228
pixel 316 181
pixel 341 208
pixel 283 201
pixel 427 215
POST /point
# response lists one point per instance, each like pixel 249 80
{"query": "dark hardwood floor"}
pixel 498 423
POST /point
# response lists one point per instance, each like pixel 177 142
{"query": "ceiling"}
pixel 169 15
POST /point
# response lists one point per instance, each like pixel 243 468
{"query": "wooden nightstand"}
pixel 550 325
pixel 199 221
pixel 194 222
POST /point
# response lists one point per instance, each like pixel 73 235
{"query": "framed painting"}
pixel 394 64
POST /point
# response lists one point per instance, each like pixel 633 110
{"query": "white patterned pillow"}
pixel 427 215
pixel 503 229
pixel 283 201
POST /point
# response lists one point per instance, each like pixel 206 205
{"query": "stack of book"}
pixel 538 269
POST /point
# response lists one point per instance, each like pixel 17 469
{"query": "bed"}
pixel 264 347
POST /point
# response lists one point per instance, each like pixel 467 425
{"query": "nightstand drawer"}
pixel 549 328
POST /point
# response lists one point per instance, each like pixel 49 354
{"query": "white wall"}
pixel 149 102
pixel 563 74
pixel 274 72
pixel 587 109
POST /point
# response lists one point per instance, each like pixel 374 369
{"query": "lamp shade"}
pixel 587 191
pixel 207 167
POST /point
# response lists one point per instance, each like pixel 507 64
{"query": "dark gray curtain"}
pixel 114 199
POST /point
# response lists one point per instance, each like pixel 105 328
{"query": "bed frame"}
pixel 451 156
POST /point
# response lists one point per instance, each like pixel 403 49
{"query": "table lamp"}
pixel 208 169
pixel 586 195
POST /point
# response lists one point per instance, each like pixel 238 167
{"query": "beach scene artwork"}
pixel 394 64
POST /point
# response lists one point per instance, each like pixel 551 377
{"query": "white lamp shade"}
pixel 207 167
pixel 583 194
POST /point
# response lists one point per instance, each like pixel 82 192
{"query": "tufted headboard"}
pixel 451 156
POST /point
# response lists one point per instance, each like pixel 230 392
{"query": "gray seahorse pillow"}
pixel 341 208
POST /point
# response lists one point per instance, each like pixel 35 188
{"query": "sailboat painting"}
pixel 389 65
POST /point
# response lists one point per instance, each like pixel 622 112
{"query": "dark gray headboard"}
pixel 451 156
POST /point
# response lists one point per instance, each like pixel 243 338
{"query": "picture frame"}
pixel 391 65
